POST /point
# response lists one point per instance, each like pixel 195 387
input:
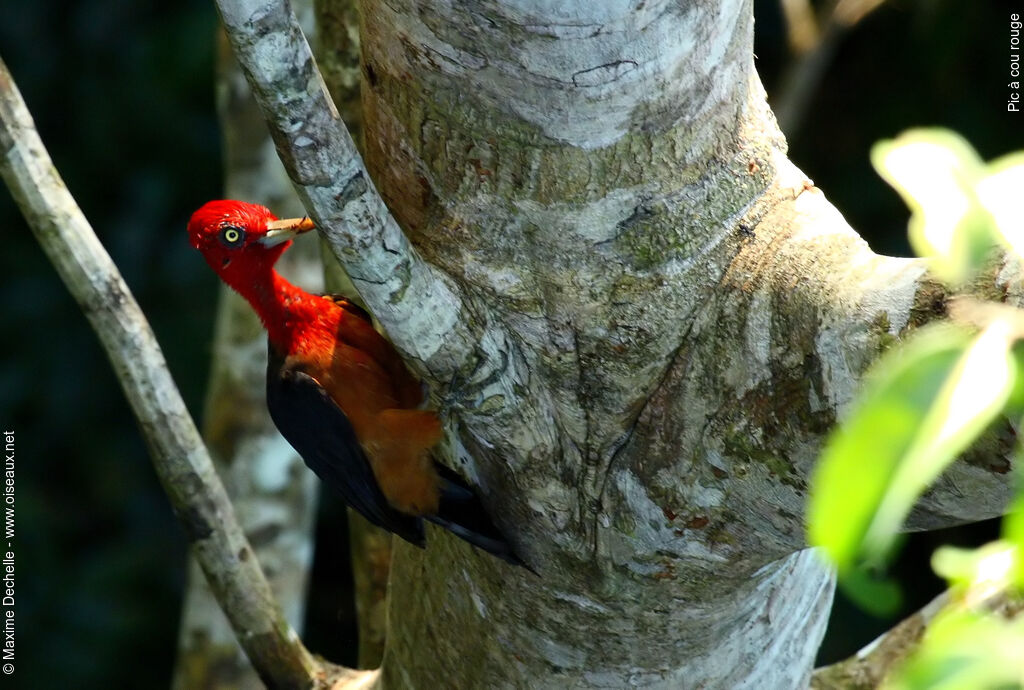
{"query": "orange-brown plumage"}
pixel 337 389
pixel 365 377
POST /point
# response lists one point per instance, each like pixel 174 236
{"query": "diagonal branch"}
pixel 869 667
pixel 880 660
pixel 838 305
pixel 416 304
pixel 441 332
pixel 180 459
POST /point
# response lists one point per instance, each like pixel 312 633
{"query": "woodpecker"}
pixel 338 391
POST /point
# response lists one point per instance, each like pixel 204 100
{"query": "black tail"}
pixel 461 513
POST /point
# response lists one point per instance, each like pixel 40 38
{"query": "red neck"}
pixel 283 308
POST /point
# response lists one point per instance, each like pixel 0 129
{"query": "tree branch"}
pixel 872 664
pixel 843 305
pixel 875 664
pixel 180 459
pixel 801 25
pixel 416 304
pixel 443 334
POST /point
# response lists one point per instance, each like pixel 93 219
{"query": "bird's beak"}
pixel 279 231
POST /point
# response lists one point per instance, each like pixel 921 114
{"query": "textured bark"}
pixel 638 318
pixel 371 549
pixel 273 493
pixel 606 233
pixel 689 306
pixel 337 51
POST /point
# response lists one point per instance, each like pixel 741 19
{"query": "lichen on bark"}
pixel 696 313
pixel 638 320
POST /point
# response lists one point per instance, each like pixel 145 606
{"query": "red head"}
pixel 241 241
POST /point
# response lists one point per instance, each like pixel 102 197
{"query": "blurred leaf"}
pixel 921 406
pixel 1015 405
pixel 935 171
pixel 871 591
pixel 983 571
pixel 955 564
pixel 965 649
pixel 1013 531
pixel 999 192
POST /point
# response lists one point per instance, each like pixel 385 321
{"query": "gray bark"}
pixel 337 50
pixel 638 318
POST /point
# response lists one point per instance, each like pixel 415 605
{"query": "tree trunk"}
pixel 337 50
pixel 679 317
pixel 637 318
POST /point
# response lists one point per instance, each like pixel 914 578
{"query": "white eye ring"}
pixel 231 236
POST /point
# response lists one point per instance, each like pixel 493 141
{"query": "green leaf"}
pixel 871 591
pixel 861 456
pixel 936 171
pixel 1013 532
pixel 985 570
pixel 999 192
pixel 965 649
pixel 1015 405
pixel 921 406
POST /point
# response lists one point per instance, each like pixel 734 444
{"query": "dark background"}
pixel 122 93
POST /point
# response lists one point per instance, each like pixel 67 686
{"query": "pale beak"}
pixel 279 231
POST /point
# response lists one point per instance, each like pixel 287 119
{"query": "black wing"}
pixel 461 512
pixel 320 432
pixel 297 401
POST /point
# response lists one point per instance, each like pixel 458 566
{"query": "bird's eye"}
pixel 232 236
